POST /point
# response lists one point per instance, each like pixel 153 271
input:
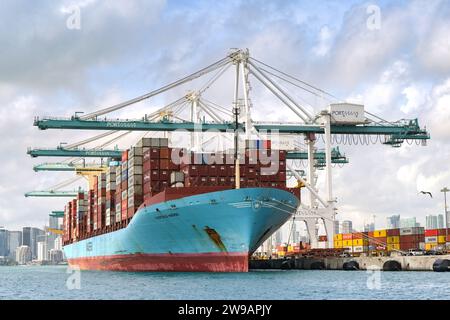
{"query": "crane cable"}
pixel 188 78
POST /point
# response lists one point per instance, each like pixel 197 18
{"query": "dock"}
pixel 436 263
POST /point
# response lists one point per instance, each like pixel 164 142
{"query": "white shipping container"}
pixel 118 170
pixel 135 170
pixel 163 142
pixel 132 190
pixel 118 216
pixel 135 179
pixel 431 239
pixel 134 151
pixel 124 166
pixel 124 194
pixel 410 231
pixel 358 249
pixel 111 186
pixel 119 207
pixel 144 142
pixel 347 113
pixel 107 220
pixel 136 161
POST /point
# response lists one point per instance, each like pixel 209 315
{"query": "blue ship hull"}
pixel 215 231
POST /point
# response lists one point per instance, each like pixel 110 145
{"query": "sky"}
pixel 397 66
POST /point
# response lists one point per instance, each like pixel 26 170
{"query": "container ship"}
pixel 167 209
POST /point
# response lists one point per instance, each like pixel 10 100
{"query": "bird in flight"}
pixel 426 192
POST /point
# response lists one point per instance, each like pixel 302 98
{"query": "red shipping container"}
pixel 282 176
pixel 164 153
pixel 163 185
pixel 146 166
pixel 442 232
pixel 250 172
pixel 164 164
pixel 412 238
pixel 147 188
pixel 222 171
pixel 212 170
pixel 212 181
pixel 155 185
pixel 282 155
pixel 251 182
pixel 147 177
pixel 173 166
pixel 146 155
pixel 393 232
pixel 222 181
pixel 347 236
pixel 164 175
pixel 431 233
pixel 154 153
pixel 125 156
pixel 202 170
pixel 154 175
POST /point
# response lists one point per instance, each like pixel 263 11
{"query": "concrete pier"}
pixel 394 263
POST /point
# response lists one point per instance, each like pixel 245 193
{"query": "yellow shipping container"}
pixel 347 243
pixel 338 237
pixel 430 245
pixel 394 239
pixel 379 233
pixel 281 253
pixel 290 249
pixel 338 244
pixel 360 242
pixel 441 239
pixel 393 246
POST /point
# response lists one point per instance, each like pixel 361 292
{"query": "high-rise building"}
pixel 53 223
pixel 55 256
pixel 29 238
pixel 3 243
pixel 431 222
pixel 278 237
pixel 42 252
pixel 440 221
pixel 347 226
pixel 409 223
pixel 14 241
pixel 368 227
pixel 336 226
pixel 434 221
pixel 393 222
pixel 23 254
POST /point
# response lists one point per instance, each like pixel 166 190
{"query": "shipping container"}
pixel 431 233
pixel 347 236
pixel 393 232
pixel 393 239
pixel 338 244
pixel 338 237
pixel 380 233
pixel 410 231
pixel 431 239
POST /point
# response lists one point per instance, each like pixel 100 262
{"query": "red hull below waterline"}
pixel 206 262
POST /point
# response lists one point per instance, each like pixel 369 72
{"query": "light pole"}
pixel 445 190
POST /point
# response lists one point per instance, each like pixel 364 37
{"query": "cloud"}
pixel 126 48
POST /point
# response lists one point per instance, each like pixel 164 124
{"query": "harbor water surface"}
pixel 59 282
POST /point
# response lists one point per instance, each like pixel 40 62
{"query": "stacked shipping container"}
pixel 147 169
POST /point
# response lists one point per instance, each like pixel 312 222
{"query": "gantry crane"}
pixel 311 124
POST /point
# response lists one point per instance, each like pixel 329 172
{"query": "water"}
pixel 50 282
